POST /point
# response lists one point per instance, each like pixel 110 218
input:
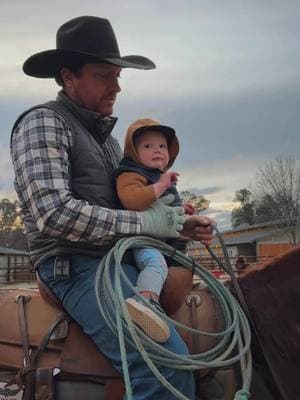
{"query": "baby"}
pixel 142 178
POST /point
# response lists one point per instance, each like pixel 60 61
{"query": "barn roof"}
pixel 248 237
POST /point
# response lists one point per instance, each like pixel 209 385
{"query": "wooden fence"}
pixel 14 269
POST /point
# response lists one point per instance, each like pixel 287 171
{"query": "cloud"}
pixel 227 79
pixel 222 218
pixel 255 120
pixel 204 191
pixel 202 49
pixel 6 174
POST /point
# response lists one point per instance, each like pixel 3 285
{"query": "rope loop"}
pixel 234 340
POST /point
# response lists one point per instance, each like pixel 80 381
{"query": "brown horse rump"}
pixel 272 293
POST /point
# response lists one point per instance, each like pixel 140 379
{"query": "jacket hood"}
pixel 140 126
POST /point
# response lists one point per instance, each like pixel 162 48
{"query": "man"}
pixel 64 158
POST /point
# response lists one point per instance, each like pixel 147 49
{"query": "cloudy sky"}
pixel 227 80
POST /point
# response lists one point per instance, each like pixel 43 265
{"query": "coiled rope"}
pixel 234 341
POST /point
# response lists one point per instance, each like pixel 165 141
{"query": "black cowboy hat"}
pixel 84 39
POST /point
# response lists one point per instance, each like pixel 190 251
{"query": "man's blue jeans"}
pixel 78 298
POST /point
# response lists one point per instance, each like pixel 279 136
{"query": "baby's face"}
pixel 152 150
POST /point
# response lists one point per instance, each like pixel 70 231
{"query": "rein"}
pixel 111 303
pixel 227 267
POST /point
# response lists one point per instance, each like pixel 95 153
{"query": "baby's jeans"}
pixel 153 267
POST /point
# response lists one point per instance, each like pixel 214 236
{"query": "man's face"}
pixel 152 150
pixel 95 87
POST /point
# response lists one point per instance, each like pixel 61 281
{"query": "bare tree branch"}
pixel 279 181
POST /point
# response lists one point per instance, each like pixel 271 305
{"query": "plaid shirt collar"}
pixel 93 121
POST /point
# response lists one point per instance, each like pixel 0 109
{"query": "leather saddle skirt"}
pixel 68 349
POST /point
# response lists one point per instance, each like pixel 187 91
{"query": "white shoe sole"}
pixel 148 321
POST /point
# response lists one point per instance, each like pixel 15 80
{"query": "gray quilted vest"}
pixel 95 155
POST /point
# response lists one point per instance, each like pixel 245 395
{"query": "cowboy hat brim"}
pixel 47 64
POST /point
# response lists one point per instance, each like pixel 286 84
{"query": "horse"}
pixel 272 293
pixel 51 358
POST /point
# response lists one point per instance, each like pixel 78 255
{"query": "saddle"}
pixel 40 342
pixel 41 346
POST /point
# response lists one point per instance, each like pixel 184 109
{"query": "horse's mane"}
pixel 272 293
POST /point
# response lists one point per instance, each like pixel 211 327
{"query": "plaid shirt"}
pixel 40 149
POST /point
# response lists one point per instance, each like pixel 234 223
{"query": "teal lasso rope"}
pixel 234 341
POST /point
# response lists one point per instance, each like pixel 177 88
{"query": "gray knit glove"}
pixel 162 220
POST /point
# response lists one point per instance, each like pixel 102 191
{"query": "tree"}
pixel 274 196
pixel 276 191
pixel 199 202
pixel 15 239
pixel 11 227
pixel 265 209
pixel 8 214
pixel 244 213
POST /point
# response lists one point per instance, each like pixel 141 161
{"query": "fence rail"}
pixel 15 272
pixel 209 263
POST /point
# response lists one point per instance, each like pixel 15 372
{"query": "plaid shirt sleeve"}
pixel 41 146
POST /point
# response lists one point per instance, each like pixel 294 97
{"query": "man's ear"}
pixel 67 77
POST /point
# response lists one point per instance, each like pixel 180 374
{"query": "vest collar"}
pixel 99 126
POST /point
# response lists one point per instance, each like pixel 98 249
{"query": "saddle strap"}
pixel 21 300
pixel 194 320
pixel 38 383
pixel 44 384
pixel 62 317
pixel 29 387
